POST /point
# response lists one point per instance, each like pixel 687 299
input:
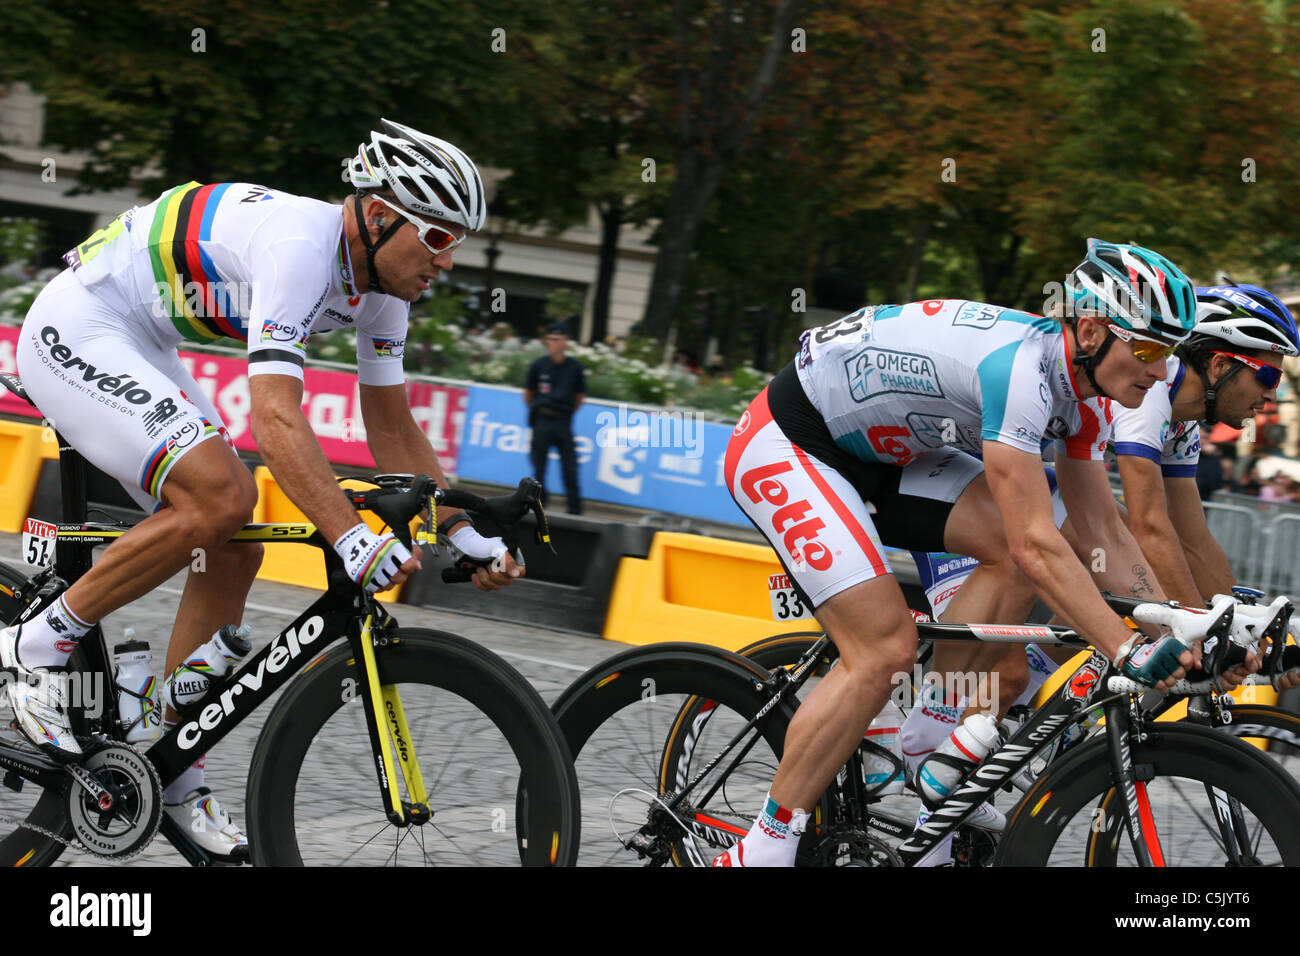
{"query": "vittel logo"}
pixel 285 648
pixel 760 484
pixel 120 385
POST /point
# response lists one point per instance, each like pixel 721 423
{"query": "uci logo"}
pixel 274 332
pixel 183 437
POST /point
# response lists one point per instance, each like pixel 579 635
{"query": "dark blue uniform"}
pixel 555 388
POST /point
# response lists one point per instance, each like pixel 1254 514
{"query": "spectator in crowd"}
pixel 553 391
pixel 1249 482
pixel 1278 488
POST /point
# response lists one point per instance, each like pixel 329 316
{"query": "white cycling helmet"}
pixel 1134 288
pixel 428 175
pixel 1245 317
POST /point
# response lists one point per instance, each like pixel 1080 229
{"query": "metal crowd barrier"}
pixel 1261 540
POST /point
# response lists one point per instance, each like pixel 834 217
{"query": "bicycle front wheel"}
pixel 1072 815
pixel 499 780
pixel 643 725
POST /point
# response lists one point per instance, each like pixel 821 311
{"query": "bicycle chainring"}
pixel 850 847
pixel 121 818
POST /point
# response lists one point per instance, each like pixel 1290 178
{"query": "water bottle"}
pixel 207 663
pixel 138 706
pixel 883 776
pixel 967 746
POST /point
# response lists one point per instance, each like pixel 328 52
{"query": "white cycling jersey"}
pixel 97 352
pixel 893 382
pixel 241 261
pixel 891 405
pixel 1148 431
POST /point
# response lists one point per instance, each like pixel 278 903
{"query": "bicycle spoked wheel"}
pixel 642 727
pixel 495 768
pixel 1071 817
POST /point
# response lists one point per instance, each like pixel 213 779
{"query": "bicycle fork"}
pixel 386 721
pixel 1130 783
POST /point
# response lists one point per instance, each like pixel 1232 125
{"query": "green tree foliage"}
pixel 160 91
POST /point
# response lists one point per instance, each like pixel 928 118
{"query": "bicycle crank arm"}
pixel 23 764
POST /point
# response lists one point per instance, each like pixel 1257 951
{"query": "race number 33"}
pixel 786 605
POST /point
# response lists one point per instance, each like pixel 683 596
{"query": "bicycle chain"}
pixel 72 842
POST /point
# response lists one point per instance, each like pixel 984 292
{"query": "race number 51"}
pixel 786 605
pixel 38 542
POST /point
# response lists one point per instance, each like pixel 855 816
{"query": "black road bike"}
pixel 675 746
pixel 392 745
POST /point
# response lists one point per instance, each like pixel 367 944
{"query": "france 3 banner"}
pixel 660 460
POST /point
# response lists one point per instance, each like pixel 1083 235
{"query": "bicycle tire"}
pixel 1277 728
pixel 22 846
pixel 500 781
pixel 1048 818
pixel 618 719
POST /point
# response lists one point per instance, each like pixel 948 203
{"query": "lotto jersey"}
pixel 895 381
pixel 241 261
pixel 1148 431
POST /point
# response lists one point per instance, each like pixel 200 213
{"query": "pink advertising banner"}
pixel 331 402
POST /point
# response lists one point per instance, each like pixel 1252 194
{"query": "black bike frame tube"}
pixel 1124 777
pixel 1047 723
pixel 205 723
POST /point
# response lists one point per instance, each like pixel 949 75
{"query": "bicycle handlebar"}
pixel 399 498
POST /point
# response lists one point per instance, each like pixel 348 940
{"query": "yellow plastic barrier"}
pixel 22 451
pixel 693 588
pixel 299 564
pixel 1250 694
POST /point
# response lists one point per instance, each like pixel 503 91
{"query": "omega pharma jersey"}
pixel 1148 432
pixel 241 261
pixel 895 381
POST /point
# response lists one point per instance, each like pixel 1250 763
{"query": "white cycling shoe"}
pixel 208 824
pixel 39 697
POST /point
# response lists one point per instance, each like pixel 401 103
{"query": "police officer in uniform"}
pixel 553 391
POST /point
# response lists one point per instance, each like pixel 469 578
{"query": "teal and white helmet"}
pixel 1134 288
pixel 428 175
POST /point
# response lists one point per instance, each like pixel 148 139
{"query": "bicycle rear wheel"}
pixel 642 726
pixel 500 782
pixel 1071 816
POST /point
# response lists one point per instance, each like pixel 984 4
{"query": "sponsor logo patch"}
pixel 874 371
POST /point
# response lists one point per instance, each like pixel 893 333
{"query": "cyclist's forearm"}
pixel 1209 567
pixel 1117 563
pixel 302 471
pixel 1066 587
pixel 1160 545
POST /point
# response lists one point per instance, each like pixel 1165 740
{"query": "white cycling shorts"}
pixel 816 518
pixel 121 399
